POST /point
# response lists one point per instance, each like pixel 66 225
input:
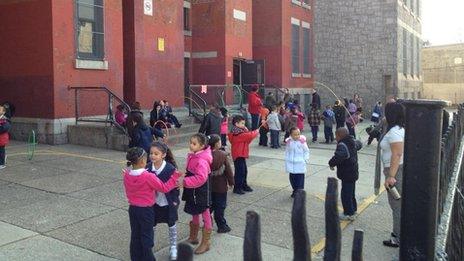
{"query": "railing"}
pixel 109 117
pixel 196 104
pixel 217 94
pixel 301 243
pixel 450 233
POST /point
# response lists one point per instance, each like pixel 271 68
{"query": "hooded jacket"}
pixel 296 155
pixel 140 186
pixel 240 143
pixel 211 124
pixel 346 159
pixel 219 182
pixel 198 164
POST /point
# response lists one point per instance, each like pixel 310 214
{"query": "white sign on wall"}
pixel 148 7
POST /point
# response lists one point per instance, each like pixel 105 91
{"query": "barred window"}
pixel 90 29
pixel 306 51
pixel 295 48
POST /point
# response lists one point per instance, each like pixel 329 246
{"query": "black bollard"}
pixel 420 179
pixel 301 244
pixel 333 236
pixel 184 252
pixel 357 250
pixel 252 241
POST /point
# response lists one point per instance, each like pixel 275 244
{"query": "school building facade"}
pixel 143 50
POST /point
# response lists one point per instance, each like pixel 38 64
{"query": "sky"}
pixel 443 21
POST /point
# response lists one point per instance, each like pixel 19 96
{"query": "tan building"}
pixel 443 72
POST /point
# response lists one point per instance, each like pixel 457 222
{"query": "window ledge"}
pixel 296 2
pixel 306 6
pixel 91 65
pixel 307 75
pixel 296 75
pixel 187 33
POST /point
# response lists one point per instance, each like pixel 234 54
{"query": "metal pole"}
pixel 301 243
pixel 420 179
pixel 185 252
pixel 357 251
pixel 76 104
pixel 333 233
pixel 252 240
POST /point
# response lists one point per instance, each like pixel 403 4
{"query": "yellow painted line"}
pixel 51 152
pixel 343 224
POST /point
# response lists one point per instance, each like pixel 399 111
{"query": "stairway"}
pixel 100 136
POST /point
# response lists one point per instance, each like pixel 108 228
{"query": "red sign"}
pixel 229 74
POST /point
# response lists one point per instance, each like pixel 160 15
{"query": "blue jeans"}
pixel 348 198
pixel 141 243
pixel 275 139
pixel 297 180
pixel 254 121
pixel 314 131
pixel 328 133
pixel 2 155
pixel 218 206
pixel 241 172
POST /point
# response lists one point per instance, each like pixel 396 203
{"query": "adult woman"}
pixel 254 106
pixel 392 146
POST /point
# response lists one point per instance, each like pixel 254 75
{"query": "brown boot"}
pixel 193 238
pixel 205 241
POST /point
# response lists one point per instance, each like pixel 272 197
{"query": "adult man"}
pixel 316 99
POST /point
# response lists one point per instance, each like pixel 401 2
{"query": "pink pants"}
pixel 206 219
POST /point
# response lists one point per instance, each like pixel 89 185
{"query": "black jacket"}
pixel 317 100
pixel 339 113
pixel 346 159
pixel 173 195
pixel 211 124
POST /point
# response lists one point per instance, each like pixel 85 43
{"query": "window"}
pixel 405 52
pixel 295 48
pixel 306 50
pixel 90 30
pixel 186 19
pixel 412 53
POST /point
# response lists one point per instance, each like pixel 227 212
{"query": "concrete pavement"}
pixel 68 203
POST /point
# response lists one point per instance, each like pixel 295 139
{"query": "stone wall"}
pixel 357 48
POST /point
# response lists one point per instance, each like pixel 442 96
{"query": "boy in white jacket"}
pixel 296 158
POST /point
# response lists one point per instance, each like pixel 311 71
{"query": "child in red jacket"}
pixel 4 137
pixel 240 139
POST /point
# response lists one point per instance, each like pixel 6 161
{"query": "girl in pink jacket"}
pixel 197 192
pixel 140 186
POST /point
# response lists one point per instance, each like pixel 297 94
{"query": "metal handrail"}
pixel 111 96
pixel 204 104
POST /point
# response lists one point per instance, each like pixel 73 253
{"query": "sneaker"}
pixel 238 191
pixel 347 217
pixel 2 166
pixel 247 188
pixel 391 243
pixel 224 229
pixel 293 195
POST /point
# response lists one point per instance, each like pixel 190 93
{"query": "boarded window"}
pixel 90 29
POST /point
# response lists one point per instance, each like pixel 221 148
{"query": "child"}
pixel 329 119
pixel 4 136
pixel 296 158
pixel 314 120
pixel 300 120
pixel 291 120
pixel 221 177
pixel 171 117
pixel 120 116
pixel 197 192
pixel 264 127
pixel 224 127
pixel 240 139
pixel 212 121
pixel 274 127
pixel 166 204
pixel 139 186
pixel 346 160
pixel 351 121
pixel 142 135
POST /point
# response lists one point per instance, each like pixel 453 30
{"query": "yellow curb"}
pixel 343 224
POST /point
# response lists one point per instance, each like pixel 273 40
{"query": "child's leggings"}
pixel 206 219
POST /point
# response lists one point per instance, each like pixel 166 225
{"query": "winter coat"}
pixel 221 172
pixel 254 103
pixel 211 124
pixel 225 125
pixel 296 155
pixel 300 121
pixel 273 121
pixel 198 164
pixel 270 101
pixel 4 128
pixel 329 118
pixel 142 136
pixel 291 120
pixel 264 114
pixel 316 100
pixel 314 118
pixel 346 159
pixel 376 114
pixel 339 114
pixel 240 143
